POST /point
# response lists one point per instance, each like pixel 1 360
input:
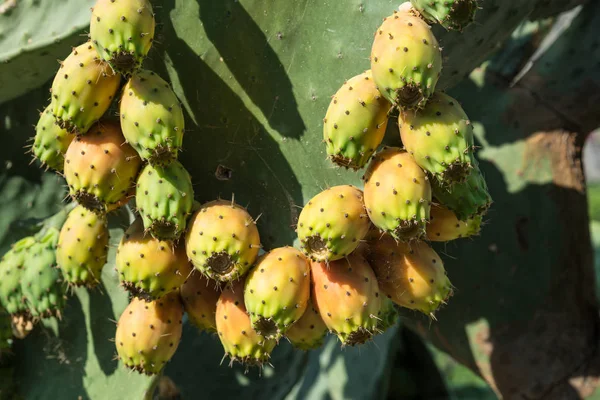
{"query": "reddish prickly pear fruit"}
pixel 41 282
pixel 164 198
pixel 148 333
pixel 406 60
pixel 51 141
pixel 355 122
pixel 440 139
pixel 122 32
pixel 412 274
pixel 12 267
pixel 152 118
pixel 100 168
pixel 200 296
pixel 346 294
pixel 443 225
pixel 240 341
pixel 309 331
pixel 82 90
pixel 150 268
pixel 222 241
pixel 454 15
pixel 83 247
pixel 397 194
pixel 277 291
pixel 468 199
pixel 333 223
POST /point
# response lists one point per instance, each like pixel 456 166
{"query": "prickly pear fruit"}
pixel 388 315
pixel 6 334
pixel 454 15
pixel 83 247
pixel 309 331
pixel 277 291
pixel 164 198
pixel 397 194
pixel 412 274
pixel 333 223
pixel 51 141
pixel 150 268
pixel 148 333
pixel 41 282
pixel 443 225
pixel 11 272
pixel 346 294
pixel 222 241
pixel 100 168
pixel 355 122
pixel 152 118
pixel 406 60
pixel 122 32
pixel 440 139
pixel 82 90
pixel 468 199
pixel 200 296
pixel 240 341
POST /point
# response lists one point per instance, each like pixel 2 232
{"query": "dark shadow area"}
pixel 103 329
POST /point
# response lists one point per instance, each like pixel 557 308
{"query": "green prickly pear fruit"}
pixel 397 194
pixel 411 274
pixel 222 240
pixel 346 294
pixel 406 60
pixel 148 333
pixel 440 139
pixel 12 268
pixel 150 268
pixel 152 118
pixel 309 331
pixel 468 199
pixel 51 141
pixel 82 90
pixel 164 198
pixel 41 283
pixel 454 15
pixel 355 122
pixel 444 226
pixel 200 296
pixel 388 315
pixel 122 32
pixel 239 339
pixel 277 291
pixel 100 168
pixel 333 223
pixel 83 247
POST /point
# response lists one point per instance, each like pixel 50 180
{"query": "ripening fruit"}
pixel 443 225
pixel 309 331
pixel 51 141
pixel 200 296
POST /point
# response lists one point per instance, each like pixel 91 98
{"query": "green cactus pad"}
pixel 440 139
pixel 152 118
pixel 453 15
pixel 397 194
pixel 355 122
pixel 122 32
pixel 164 198
pixel 82 247
pixel 277 290
pixel 51 141
pixel 406 60
pixel 11 273
pixel 41 283
pixel 82 90
pixel 332 224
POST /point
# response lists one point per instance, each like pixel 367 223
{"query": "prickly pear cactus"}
pixel 11 269
pixel 451 14
pixel 199 296
pixel 51 141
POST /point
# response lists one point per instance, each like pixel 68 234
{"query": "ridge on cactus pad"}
pixel 453 15
pixel 51 141
pixel 122 32
pixel 199 296
pixel 148 333
pixel 332 223
pixel 82 90
pixel 222 240
pixel 355 122
pixel 406 60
